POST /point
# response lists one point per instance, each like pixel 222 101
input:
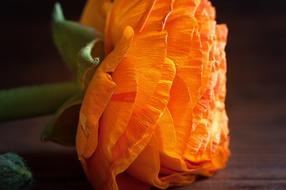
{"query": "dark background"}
pixel 256 98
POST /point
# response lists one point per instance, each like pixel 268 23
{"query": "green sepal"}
pixel 70 37
pixel 63 125
pixel 89 58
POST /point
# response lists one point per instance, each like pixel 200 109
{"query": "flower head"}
pixel 154 113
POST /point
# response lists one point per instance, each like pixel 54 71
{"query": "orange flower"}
pixel 154 112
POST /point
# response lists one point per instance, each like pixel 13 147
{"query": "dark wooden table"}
pixel 256 99
pixel 258 147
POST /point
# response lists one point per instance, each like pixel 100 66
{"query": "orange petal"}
pixel 207 145
pixel 157 16
pixel 118 112
pixel 97 96
pixel 146 167
pixel 189 60
pixel 139 132
pixel 113 123
pixel 126 182
pixel 148 15
pixel 143 121
pixel 193 109
pixel 146 79
pixel 161 119
pixel 125 13
pixel 94 14
pixel 171 160
pixel 219 146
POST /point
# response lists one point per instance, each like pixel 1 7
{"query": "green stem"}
pixel 33 101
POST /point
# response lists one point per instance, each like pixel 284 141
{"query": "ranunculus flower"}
pixel 154 112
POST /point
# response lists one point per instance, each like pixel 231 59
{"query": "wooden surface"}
pixel 258 158
pixel 256 98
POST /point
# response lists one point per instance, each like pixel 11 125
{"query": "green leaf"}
pixel 70 37
pixel 63 126
pixel 89 58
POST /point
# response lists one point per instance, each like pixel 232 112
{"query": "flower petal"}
pixel 146 167
pixel 127 182
pixel 125 13
pixel 182 26
pixel 205 143
pixel 157 16
pixel 143 16
pixel 171 161
pixel 98 94
pixel 143 121
pixel 94 14
pixel 146 79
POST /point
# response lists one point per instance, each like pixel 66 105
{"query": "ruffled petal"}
pixel 149 158
pixel 219 146
pixel 157 17
pixel 97 97
pixel 146 167
pixel 189 59
pixel 142 89
pixel 193 96
pixel 154 112
pixel 143 121
pixel 199 137
pixel 143 16
pixel 113 122
pixel 173 171
pixel 206 149
pixel 125 13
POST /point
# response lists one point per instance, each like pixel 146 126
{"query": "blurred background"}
pixel 256 99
